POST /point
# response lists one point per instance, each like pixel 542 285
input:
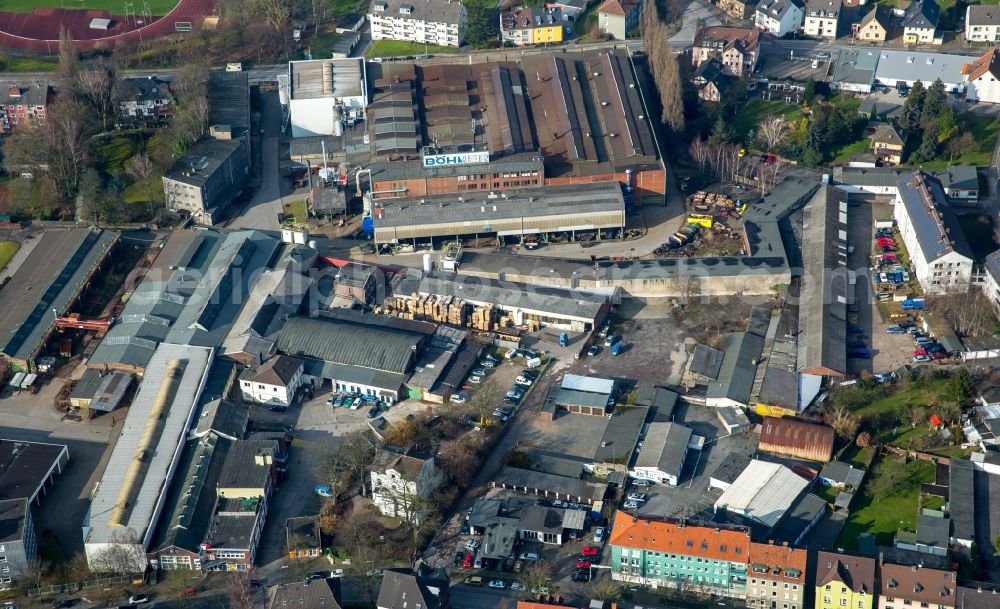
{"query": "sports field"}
pixel 114 7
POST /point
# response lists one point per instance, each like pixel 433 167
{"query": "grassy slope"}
pixel 757 109
pixel 985 129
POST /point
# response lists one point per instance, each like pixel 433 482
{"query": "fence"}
pixel 77 586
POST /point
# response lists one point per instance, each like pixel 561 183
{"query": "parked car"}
pixel 514 393
pixel 610 340
pixel 823 55
pixel 136 599
pixel 599 535
pixel 642 482
pixel 583 564
pixel 523 380
pixel 473 580
pixel 475 379
pixel 374 411
pixel 895 330
pixel 581 576
pixel 458 398
pixel 630 505
pixel 497 584
pixel 543 591
pixel 593 351
pixel 589 551
pixel 467 563
pixel 923 340
pixel 511 400
pixel 528 556
pixel 488 363
pixel 530 374
pixel 918 359
pixel 472 545
pixel 637 496
pixel 459 559
pixel 323 490
pixel 517 586
pixel 480 372
pixel 560 504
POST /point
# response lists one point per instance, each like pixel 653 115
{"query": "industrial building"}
pixel 525 305
pixel 796 438
pixel 52 278
pixel 356 353
pixel 326 95
pixel 211 173
pixel 191 295
pixel 27 470
pixel 762 493
pixel 662 456
pixel 576 209
pixel 586 395
pixel 129 498
pixel 452 129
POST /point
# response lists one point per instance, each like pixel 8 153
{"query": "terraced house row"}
pixel 724 560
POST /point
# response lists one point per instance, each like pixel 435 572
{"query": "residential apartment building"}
pixel 905 586
pixel 822 18
pixel 18 542
pixel 844 581
pixel 920 23
pixel 24 106
pixel 982 23
pixel 619 18
pixel 737 9
pixel 736 48
pixel 777 576
pixel 991 282
pixel 873 27
pixel 676 554
pixel 525 25
pixel 983 76
pixel 940 255
pixel 274 383
pixel 399 479
pixel 440 22
pixel 779 17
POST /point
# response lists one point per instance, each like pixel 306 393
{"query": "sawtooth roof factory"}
pixel 577 118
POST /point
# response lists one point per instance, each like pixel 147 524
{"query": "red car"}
pixel 938 355
pixel 468 560
pixel 889 258
pixel 883 241
pixel 589 551
pixel 920 352
pixel 583 564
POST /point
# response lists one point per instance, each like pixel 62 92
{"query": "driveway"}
pixel 262 211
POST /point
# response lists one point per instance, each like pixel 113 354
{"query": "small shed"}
pixel 733 419
pixel 99 23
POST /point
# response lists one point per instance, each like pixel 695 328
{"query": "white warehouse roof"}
pixel 589 384
pixel 138 472
pixel 763 492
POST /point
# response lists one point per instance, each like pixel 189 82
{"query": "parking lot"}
pixel 652 351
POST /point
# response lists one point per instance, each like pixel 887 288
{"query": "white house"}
pixel 275 382
pixel 326 95
pixel 661 458
pixel 822 18
pixel 920 23
pixel 440 22
pixel 399 480
pixel 983 76
pixel 779 17
pixel 982 23
pixel 940 255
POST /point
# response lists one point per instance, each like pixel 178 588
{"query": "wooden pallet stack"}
pixel 483 318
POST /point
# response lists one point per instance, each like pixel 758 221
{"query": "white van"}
pixel 234 67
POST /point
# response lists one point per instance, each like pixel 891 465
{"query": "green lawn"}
pixel 586 20
pixel 156 7
pixel 113 153
pixel 756 109
pixel 322 43
pixel 884 517
pixel 393 48
pixel 826 493
pixel 985 129
pixel 7 251
pixel 296 210
pixel 344 7
pixel 22 64
pixel 845 153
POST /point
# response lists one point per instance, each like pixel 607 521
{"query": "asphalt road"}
pixel 262 211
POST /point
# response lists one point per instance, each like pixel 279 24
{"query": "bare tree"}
pixel 968 313
pixel 604 590
pixel 62 136
pixel 98 86
pixel 844 422
pixel 122 555
pixel 771 132
pixel 486 398
pixel 240 589
pixel 142 169
pixel 536 575
pixel 69 57
pixel 700 152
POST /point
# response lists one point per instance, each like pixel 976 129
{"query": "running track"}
pixel 38 32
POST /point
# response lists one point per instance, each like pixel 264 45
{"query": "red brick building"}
pixel 24 105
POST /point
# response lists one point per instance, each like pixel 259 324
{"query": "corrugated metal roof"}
pixel 352 345
pixel 763 492
pixel 786 435
pixel 665 446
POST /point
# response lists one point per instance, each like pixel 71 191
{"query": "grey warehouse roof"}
pixel 202 160
pixel 934 223
pixel 738 370
pixel 926 67
pixel 343 343
pixel 664 447
pixel 326 78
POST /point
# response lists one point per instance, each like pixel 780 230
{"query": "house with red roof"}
pixel 982 77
